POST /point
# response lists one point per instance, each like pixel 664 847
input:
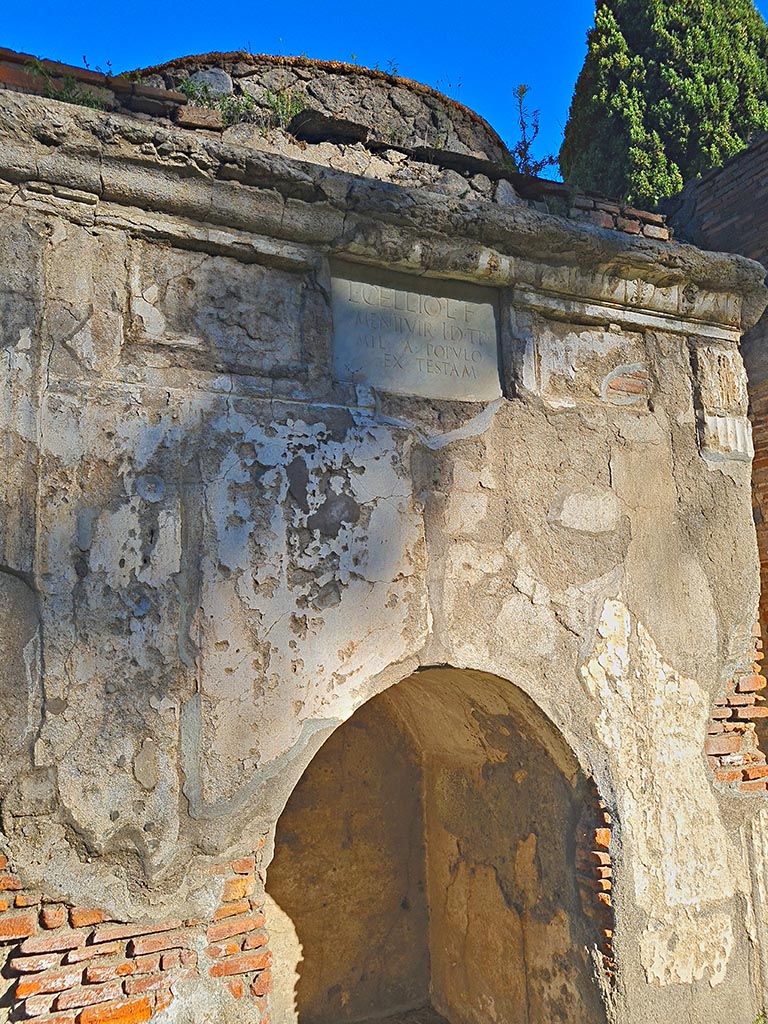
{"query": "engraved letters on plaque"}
pixel 415 336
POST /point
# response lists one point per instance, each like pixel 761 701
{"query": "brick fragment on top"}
pixel 606 214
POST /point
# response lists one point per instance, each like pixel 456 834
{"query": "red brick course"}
pixel 732 744
pixel 17 926
pixel 54 915
pixel 123 1011
pixel 606 214
pixel 235 926
pixel 70 965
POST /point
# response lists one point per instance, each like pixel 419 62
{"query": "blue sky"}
pixel 475 54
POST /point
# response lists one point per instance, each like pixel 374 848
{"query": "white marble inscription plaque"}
pixel 415 336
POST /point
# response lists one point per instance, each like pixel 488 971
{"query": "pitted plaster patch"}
pixel 652 722
pixel 596 511
pixel 303 556
pixel 685 947
pixel 17 411
pixel 33 669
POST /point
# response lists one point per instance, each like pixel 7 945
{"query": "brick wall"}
pixel 71 965
pixel 732 745
pixel 726 210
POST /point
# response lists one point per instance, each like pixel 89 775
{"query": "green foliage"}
pixel 522 151
pixel 284 105
pixel 66 88
pixel 669 88
pixel 762 1017
pixel 234 109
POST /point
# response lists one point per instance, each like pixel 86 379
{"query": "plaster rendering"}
pixel 332 695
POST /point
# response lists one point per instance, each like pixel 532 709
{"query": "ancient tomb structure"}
pixel 378 572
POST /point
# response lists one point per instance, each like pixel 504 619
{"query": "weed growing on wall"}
pixel 284 105
pixel 233 109
pixel 522 151
pixel 448 87
pixel 66 88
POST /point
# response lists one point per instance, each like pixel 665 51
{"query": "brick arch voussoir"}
pixel 594 872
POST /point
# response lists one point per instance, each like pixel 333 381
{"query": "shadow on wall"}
pixel 188 533
pixel 286 973
pixel 427 858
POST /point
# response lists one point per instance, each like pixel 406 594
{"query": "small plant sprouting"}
pixel 200 95
pixel 392 69
pixel 448 88
pixel 107 74
pixel 436 136
pixel 395 136
pixel 233 109
pixel 522 151
pixel 284 105
pixel 66 89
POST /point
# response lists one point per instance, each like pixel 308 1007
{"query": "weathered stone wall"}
pixel 395 109
pixel 723 210
pixel 214 552
pixel 349 118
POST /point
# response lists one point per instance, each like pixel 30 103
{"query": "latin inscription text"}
pixel 414 342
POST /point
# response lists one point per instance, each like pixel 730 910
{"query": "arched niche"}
pixel 433 863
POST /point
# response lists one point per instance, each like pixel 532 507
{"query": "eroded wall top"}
pixel 363 121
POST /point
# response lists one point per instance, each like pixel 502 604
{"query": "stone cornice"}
pixel 103 162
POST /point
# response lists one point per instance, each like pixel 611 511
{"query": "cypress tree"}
pixel 669 88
